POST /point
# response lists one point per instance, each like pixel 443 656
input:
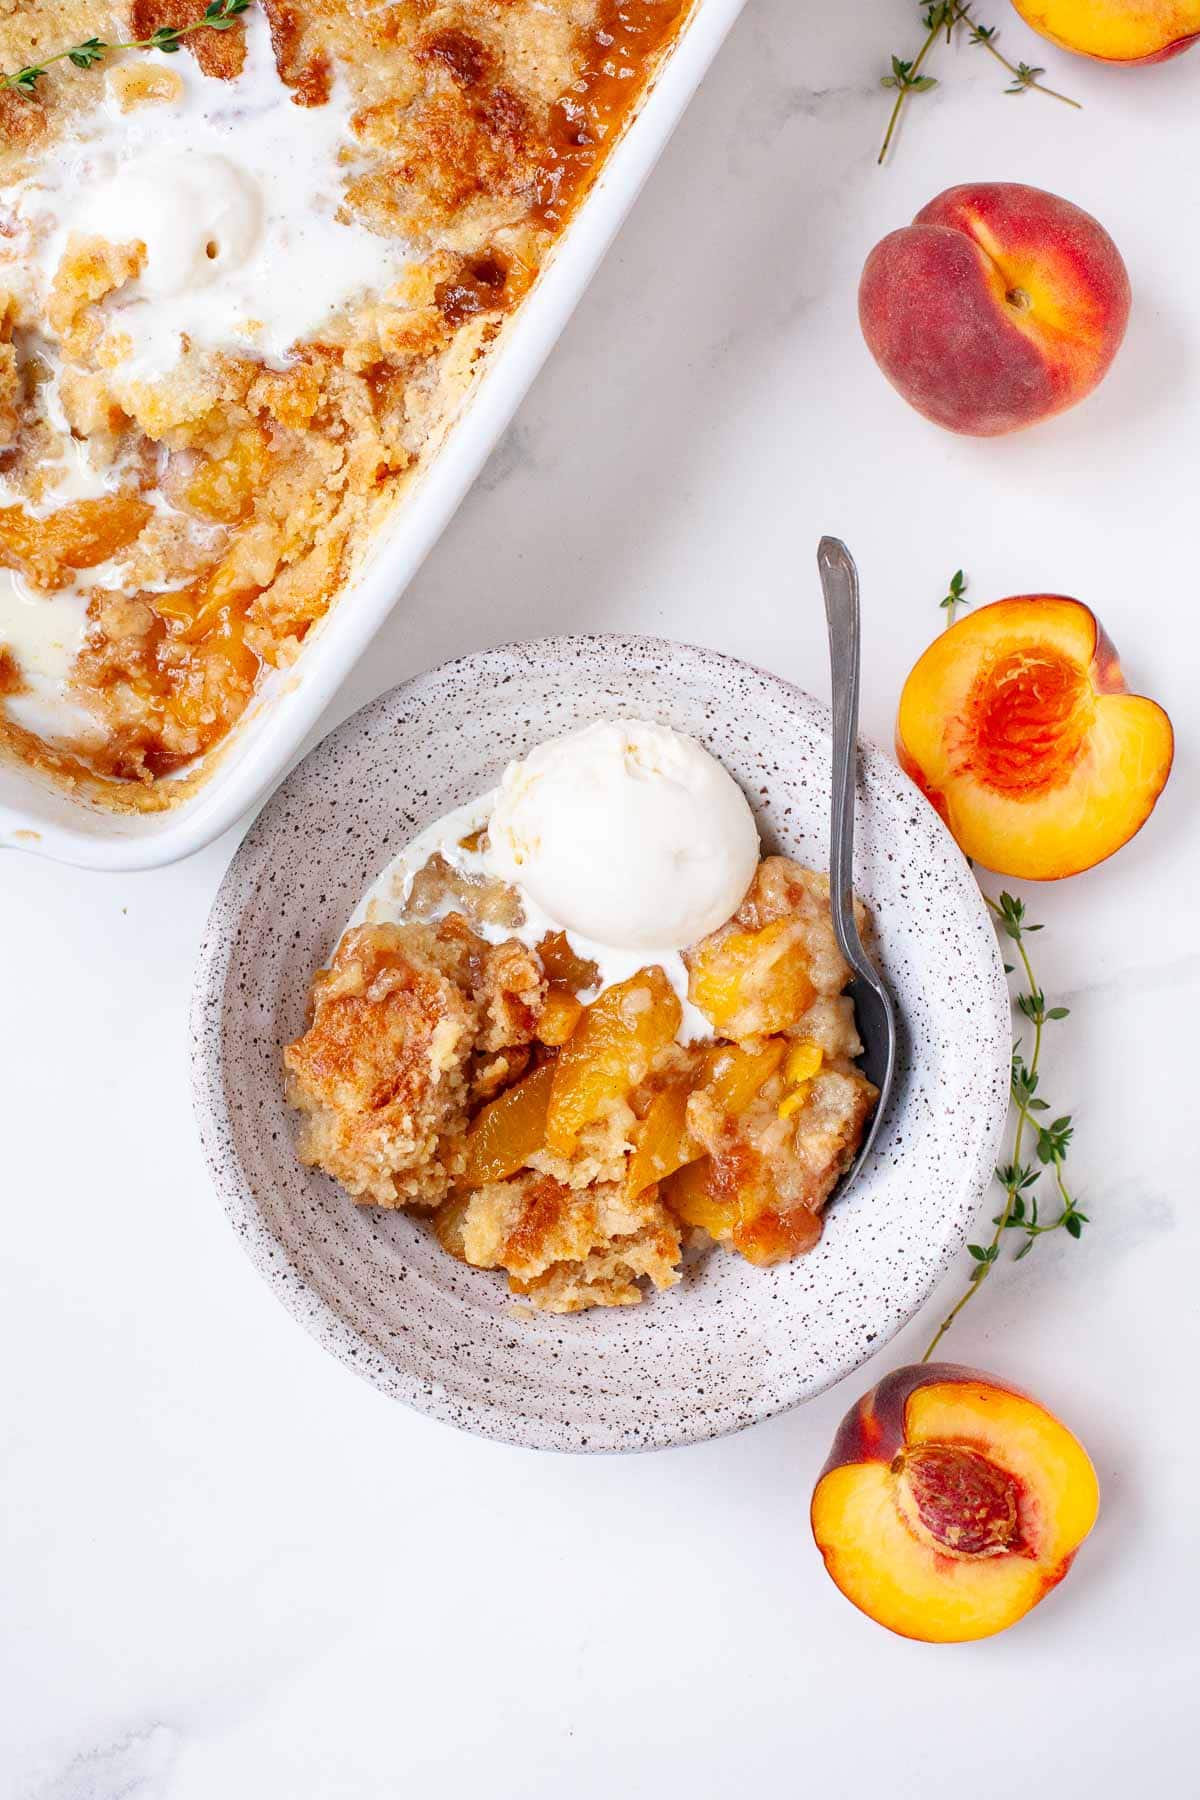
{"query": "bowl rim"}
pixel 304 1302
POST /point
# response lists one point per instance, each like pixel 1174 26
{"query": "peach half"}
pixel 1017 725
pixel 1000 305
pixel 1117 31
pixel 951 1503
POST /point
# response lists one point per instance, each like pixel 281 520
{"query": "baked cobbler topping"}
pixel 572 1112
pixel 243 292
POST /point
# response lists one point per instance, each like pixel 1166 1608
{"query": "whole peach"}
pixel 1000 305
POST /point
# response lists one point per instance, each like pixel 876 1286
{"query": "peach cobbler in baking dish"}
pixel 582 1021
pixel 245 287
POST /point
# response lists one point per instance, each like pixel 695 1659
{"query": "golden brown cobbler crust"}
pixel 565 1249
pixel 417 1026
pixel 478 123
pixel 219 53
pixel 384 1073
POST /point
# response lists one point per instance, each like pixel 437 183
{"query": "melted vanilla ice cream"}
pixel 627 833
pixel 235 193
pixel 199 216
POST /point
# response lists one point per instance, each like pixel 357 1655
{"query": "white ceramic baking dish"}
pixel 38 818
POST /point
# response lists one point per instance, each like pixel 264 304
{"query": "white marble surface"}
pixel 229 1568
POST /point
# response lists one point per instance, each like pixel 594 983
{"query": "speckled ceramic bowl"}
pixel 730 1344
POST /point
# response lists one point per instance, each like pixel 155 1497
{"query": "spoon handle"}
pixel 839 583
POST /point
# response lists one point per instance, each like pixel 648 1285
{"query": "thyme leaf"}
pixel 955 596
pixel 1020 1179
pixel 220 15
pixel 950 16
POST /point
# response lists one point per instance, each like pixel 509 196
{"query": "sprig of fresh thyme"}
pixel 949 16
pixel 220 15
pixel 1049 1142
pixel 956 596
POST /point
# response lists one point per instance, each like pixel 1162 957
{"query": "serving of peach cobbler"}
pixel 244 291
pixel 466 1061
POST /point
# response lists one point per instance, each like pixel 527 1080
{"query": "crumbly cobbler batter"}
pixel 574 1146
pixel 239 496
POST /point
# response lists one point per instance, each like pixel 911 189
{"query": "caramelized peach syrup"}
pixel 625 39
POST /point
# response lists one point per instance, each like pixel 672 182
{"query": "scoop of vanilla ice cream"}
pixel 626 833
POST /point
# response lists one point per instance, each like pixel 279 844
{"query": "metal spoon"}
pixel 872 1002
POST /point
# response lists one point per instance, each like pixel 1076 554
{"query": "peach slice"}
pixel 1000 305
pixel 951 1503
pixel 1117 31
pixel 563 967
pixel 734 1074
pixel 1017 724
pixel 689 1196
pixel 751 983
pixel 505 1133
pixel 731 1075
pixel 223 488
pixel 78 536
pixel 664 1142
pixel 558 1017
pixel 734 1199
pixel 610 1053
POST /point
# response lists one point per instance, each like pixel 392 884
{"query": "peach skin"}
pixel 1017 724
pixel 1000 305
pixel 1117 31
pixel 951 1503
